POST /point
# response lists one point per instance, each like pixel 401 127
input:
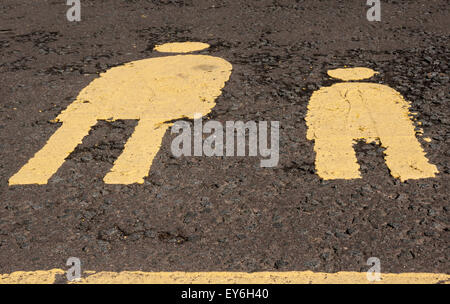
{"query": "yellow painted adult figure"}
pixel 344 112
pixel 153 91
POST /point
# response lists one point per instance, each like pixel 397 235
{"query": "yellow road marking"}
pixel 31 277
pixel 345 112
pixel 290 277
pixel 152 91
pixel 181 47
pixel 143 146
pixel 347 74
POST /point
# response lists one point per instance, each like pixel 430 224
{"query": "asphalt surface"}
pixel 223 213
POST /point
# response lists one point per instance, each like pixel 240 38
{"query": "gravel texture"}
pixel 223 213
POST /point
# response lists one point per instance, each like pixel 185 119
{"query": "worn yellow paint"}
pixel 345 112
pixel 347 74
pixel 290 277
pixel 153 91
pixel 181 47
pixel 31 277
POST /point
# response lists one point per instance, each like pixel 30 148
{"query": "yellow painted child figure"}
pixel 345 112
pixel 152 91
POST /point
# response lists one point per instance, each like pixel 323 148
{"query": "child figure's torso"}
pixel 151 88
pixel 357 110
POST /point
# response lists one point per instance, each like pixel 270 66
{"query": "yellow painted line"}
pixel 31 277
pixel 292 277
pixel 153 91
pixel 345 112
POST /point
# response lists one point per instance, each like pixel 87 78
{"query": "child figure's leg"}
pixel 406 158
pixel 47 161
pixel 336 158
pixel 136 159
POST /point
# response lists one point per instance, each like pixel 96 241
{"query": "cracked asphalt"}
pixel 223 213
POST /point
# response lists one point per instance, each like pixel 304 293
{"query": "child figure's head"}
pixel 348 74
pixel 181 47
